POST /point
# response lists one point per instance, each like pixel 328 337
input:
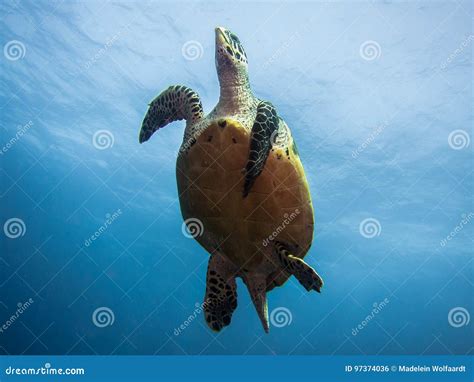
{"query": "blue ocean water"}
pixel 379 99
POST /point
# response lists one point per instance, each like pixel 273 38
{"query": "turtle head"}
pixel 231 60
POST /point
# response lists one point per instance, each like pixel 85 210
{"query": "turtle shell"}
pixel 210 182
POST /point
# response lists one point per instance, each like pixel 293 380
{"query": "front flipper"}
pixel 173 104
pixel 305 274
pixel 221 292
pixel 266 123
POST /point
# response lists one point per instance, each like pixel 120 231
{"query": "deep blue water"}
pixel 379 98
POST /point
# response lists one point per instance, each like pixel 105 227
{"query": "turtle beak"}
pixel 220 36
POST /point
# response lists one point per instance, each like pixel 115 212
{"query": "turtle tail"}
pixel 173 104
pixel 256 284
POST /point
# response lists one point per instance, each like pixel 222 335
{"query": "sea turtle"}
pixel 240 179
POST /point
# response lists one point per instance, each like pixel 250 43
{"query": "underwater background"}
pixel 379 99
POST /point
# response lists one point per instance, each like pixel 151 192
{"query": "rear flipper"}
pixel 305 274
pixel 173 104
pixel 221 292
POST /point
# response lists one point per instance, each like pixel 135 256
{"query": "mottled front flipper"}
pixel 221 292
pixel 306 275
pixel 175 103
pixel 266 123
